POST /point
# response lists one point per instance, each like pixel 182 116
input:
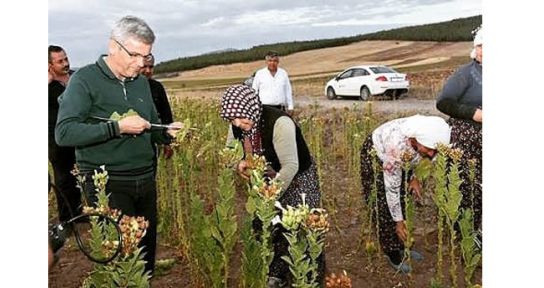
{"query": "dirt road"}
pixel 426 107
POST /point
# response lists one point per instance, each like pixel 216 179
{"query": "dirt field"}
pixel 400 54
pixel 308 72
pixel 344 250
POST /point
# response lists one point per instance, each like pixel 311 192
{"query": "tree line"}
pixel 448 31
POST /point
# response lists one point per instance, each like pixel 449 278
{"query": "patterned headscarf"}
pixel 240 101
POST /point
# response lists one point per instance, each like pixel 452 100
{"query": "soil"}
pixel 344 252
pixel 404 105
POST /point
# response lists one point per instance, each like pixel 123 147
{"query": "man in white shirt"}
pixel 272 84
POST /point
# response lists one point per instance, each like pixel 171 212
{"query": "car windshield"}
pixel 382 69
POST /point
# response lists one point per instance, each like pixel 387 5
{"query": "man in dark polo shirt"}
pixel 62 158
pixel 160 100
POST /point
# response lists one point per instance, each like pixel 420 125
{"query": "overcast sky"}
pixel 187 28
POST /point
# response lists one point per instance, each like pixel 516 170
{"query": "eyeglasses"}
pixel 133 55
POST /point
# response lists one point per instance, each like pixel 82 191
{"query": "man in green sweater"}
pixel 107 89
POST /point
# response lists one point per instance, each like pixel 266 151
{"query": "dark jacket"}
pixel 161 101
pixel 55 89
pixel 462 93
pixel 56 153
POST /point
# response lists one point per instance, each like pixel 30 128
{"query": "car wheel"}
pixel 365 94
pixel 330 93
pixel 396 95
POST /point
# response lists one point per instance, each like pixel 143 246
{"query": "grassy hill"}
pixel 454 30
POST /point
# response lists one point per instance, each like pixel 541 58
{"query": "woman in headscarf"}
pixel 273 133
pixel 394 142
pixel 461 99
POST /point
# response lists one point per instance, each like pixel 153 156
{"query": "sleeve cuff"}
pixel 113 129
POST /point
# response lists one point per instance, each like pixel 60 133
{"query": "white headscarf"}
pixel 428 130
pixel 478 40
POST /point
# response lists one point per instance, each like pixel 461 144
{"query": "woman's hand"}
pixel 270 172
pixel 176 127
pixel 415 188
pixel 243 169
pixel 477 115
pixel 401 230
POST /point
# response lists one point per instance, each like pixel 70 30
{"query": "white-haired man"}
pixel 113 85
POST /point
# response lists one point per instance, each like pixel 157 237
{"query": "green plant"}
pixel 448 199
pixel 223 219
pixel 252 263
pixel 203 247
pixel 471 256
pixel 213 235
pixel 305 234
pixel 127 269
pixel 440 178
pixel 260 205
pixel 451 206
pixel 299 263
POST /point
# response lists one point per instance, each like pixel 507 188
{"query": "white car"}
pixel 368 80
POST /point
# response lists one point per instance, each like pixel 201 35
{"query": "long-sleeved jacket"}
pixel 462 92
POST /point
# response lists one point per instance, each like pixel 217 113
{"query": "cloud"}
pixel 215 22
pixel 186 28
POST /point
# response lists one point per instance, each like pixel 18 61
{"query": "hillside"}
pixel 448 31
pixel 404 55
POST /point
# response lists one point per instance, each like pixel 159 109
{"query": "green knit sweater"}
pixel 94 91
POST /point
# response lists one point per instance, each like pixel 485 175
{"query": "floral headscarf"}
pixel 240 101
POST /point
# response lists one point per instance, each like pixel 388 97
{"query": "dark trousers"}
pixel 280 107
pixel 389 241
pixel 133 198
pixel 68 195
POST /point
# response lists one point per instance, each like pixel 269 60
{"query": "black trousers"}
pixel 280 107
pixel 68 195
pixel 133 198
